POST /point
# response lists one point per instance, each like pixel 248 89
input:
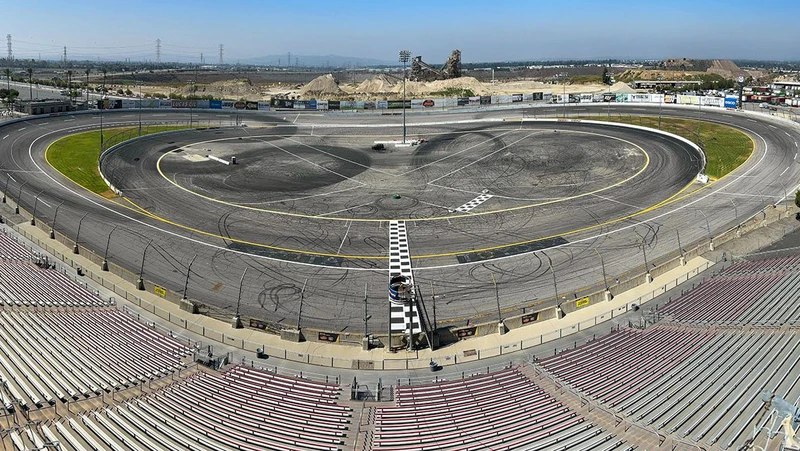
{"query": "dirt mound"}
pixel 443 86
pixel 621 87
pixel 378 84
pixel 324 84
pixel 725 68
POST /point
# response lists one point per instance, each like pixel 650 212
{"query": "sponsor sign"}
pixel 463 101
pixel 582 302
pixel 382 104
pixel 256 324
pixel 369 105
pixel 277 103
pixel 184 104
pixel 547 96
pixel 516 97
pixel 530 317
pixel 129 103
pixel 240 105
pixel 475 100
pixel 730 102
pixel 251 105
pixel 486 100
pixel 609 97
pixel 537 96
pixel 227 104
pixel 398 104
pixel 300 104
pixel 334 105
pixel 263 106
pixel 527 97
pixel 328 336
pixel 159 291
pixel 150 103
pixel 165 103
pixel 504 99
pixel 215 104
pixel 416 104
pixel 321 105
pixel 669 98
pixel 466 333
pixel 639 98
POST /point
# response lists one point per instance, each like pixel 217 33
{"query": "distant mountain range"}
pixel 334 61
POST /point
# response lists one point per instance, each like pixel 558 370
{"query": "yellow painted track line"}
pixel 674 198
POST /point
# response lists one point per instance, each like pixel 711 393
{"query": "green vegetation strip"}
pixel 726 148
pixel 76 156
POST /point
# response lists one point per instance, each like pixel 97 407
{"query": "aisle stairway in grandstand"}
pixel 504 410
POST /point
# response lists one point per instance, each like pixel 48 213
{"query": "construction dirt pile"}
pixel 621 87
pixel 444 86
pixel 322 85
pixel 378 84
pixel 725 68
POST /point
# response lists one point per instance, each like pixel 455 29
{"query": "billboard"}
pixel 730 102
pixel 215 104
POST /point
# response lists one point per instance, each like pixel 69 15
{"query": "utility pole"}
pixel 405 55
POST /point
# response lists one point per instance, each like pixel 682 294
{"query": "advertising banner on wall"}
pixel 165 103
pixel 688 100
pixel 150 103
pixel 609 97
pixel 184 103
pixel 527 97
pixel 587 98
pixel 398 104
pixel 670 98
pixel 536 96
pixel 475 100
pixel 129 103
pixel 547 96
pixel 274 103
pixel 369 105
pixel 461 101
pixel 417 104
pixel 263 105
pixel 447 102
pixel 300 104
pixel 322 104
pixel 215 104
pixel 639 98
pixel 622 97
pixel 712 101
pixel 486 100
pixel 382 104
pixel 334 105
pixel 252 105
pixel 503 99
pixel 516 97
pixel 227 104
pixel 730 102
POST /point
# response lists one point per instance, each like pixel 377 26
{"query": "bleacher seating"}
pixel 242 408
pixel 48 355
pixel 504 410
pixel 12 250
pixel 23 283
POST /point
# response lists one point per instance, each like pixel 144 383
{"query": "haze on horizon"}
pixel 511 30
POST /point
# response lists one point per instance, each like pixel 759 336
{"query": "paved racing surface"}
pixel 310 199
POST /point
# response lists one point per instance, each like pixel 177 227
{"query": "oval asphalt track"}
pixel 462 281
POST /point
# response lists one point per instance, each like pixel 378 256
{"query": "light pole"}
pixel 55 216
pixel 35 203
pixel 19 196
pixel 6 188
pixel 603 265
pixel 104 265
pixel 186 284
pixel 300 310
pixel 75 249
pixel 140 282
pixel 405 55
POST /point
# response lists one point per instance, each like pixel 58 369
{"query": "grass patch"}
pixel 76 156
pixel 726 148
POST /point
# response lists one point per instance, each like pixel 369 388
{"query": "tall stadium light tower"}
pixel 405 55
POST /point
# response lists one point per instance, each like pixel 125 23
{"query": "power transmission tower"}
pixel 289 60
pixel 158 51
pixel 221 51
pixel 65 54
pixel 10 55
pixel 202 61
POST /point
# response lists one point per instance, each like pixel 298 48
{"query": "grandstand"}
pixel 695 377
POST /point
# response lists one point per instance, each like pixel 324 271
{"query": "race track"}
pixel 310 201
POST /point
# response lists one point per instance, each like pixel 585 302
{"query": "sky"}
pixel 504 30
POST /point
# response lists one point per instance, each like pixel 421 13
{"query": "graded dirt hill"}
pixel 378 84
pixel 322 85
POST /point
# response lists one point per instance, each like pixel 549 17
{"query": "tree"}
pixel 128 92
